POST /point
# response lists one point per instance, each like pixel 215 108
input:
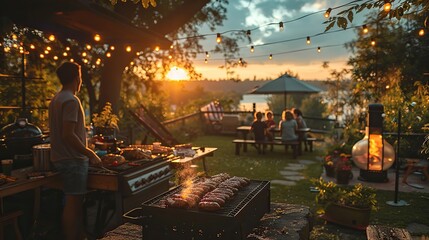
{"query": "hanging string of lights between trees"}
pixel 43 53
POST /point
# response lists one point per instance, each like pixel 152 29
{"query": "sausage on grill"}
pixel 209 206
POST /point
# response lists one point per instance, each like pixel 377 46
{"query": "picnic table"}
pixel 243 131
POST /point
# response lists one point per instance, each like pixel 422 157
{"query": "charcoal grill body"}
pixel 234 221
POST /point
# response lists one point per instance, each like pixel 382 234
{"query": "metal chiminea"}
pixel 373 155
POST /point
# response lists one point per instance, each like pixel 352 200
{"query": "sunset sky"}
pixel 292 52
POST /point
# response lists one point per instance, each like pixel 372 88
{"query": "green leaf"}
pixel 329 26
pixel 369 6
pixel 362 7
pixel 350 16
pixel 342 22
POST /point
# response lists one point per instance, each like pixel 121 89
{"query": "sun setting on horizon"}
pixel 177 74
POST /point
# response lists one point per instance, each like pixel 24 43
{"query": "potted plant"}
pixel 348 206
pixel 106 121
pixel 343 169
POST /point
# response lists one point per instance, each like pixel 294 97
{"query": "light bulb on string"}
pixel 41 55
pixel 372 42
pixel 46 52
pixel 108 54
pixel 157 49
pixel 308 40
pixel 318 49
pixel 248 32
pixel 112 48
pixel 170 57
pixel 85 60
pixel 32 46
pixel 171 46
pixel 240 61
pixel 365 29
pixel 218 38
pixel 207 54
pixel 421 32
pixel 55 58
pixel 328 13
pixel 51 37
pixel 205 60
pixel 97 37
pixel 252 49
pixel 128 48
pixel 15 45
pixel 48 48
pixel 65 54
pixel 71 60
pixel 84 54
pixel 387 6
pixel 88 47
pixel 67 48
pixel 14 37
pixel 271 56
pixel 281 26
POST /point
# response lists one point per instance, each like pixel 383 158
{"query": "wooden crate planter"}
pixel 356 218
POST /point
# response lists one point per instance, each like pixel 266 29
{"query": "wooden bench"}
pixel 307 143
pixel 241 142
pixel 375 232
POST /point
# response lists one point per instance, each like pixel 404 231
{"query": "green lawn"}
pixel 268 166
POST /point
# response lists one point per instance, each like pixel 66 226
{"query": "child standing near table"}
pixel 259 130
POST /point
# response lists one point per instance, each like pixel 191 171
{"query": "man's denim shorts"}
pixel 74 174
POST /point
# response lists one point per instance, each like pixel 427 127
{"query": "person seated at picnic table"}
pixel 271 125
pixel 259 130
pixel 301 124
pixel 288 126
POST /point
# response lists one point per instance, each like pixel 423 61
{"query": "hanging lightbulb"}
pixel 65 54
pixel 97 37
pixel 318 49
pixel 98 62
pixel 14 37
pixel 281 27
pixel 271 56
pixel 421 32
pixel 372 42
pixel 240 61
pixel 85 60
pixel 218 38
pixel 32 46
pixel 365 29
pixel 387 6
pixel 156 48
pixel 51 37
pixel 88 47
pixel 205 60
pixel 55 58
pixel 46 52
pixel 170 57
pixel 15 45
pixel 42 56
pixel 71 60
pixel 308 40
pixel 171 46
pixel 207 54
pixel 128 48
pixel 252 49
pixel 83 54
pixel 48 48
pixel 112 48
pixel 328 13
pixel 108 54
pixel 67 48
pixel 248 33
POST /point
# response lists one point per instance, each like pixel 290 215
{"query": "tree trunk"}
pixel 111 77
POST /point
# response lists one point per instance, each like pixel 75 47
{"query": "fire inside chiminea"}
pixel 373 155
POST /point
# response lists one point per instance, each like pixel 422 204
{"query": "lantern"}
pixel 373 155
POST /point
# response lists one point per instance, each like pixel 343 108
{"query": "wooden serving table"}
pixel 200 154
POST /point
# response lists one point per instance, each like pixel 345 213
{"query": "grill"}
pixel 126 188
pixel 235 220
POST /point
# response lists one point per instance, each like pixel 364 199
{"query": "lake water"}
pixel 246 104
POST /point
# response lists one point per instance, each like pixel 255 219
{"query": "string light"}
pixel 365 29
pixel 15 45
pixel 387 6
pixel 248 33
pixel 157 49
pixel 51 37
pixel 218 38
pixel 112 48
pixel 170 57
pixel 372 42
pixel 328 13
pixel 14 37
pixel 46 52
pixel 67 48
pixel 97 37
pixel 128 48
pixel 240 61
pixel 48 48
pixel 308 40
pixel 271 56
pixel 108 54
pixel 318 49
pixel 205 60
pixel 83 54
pixel 171 46
pixel 421 32
pixel 71 60
pixel 42 56
pixel 252 49
pixel 55 58
pixel 281 26
pixel 65 54
pixel 88 47
pixel 207 54
pixel 32 46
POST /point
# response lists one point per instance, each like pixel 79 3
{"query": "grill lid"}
pixel 20 129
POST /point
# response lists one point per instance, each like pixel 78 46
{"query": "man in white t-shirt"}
pixel 69 152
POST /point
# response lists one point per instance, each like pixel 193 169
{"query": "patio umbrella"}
pixel 284 85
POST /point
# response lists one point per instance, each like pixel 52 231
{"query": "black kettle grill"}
pixel 17 140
